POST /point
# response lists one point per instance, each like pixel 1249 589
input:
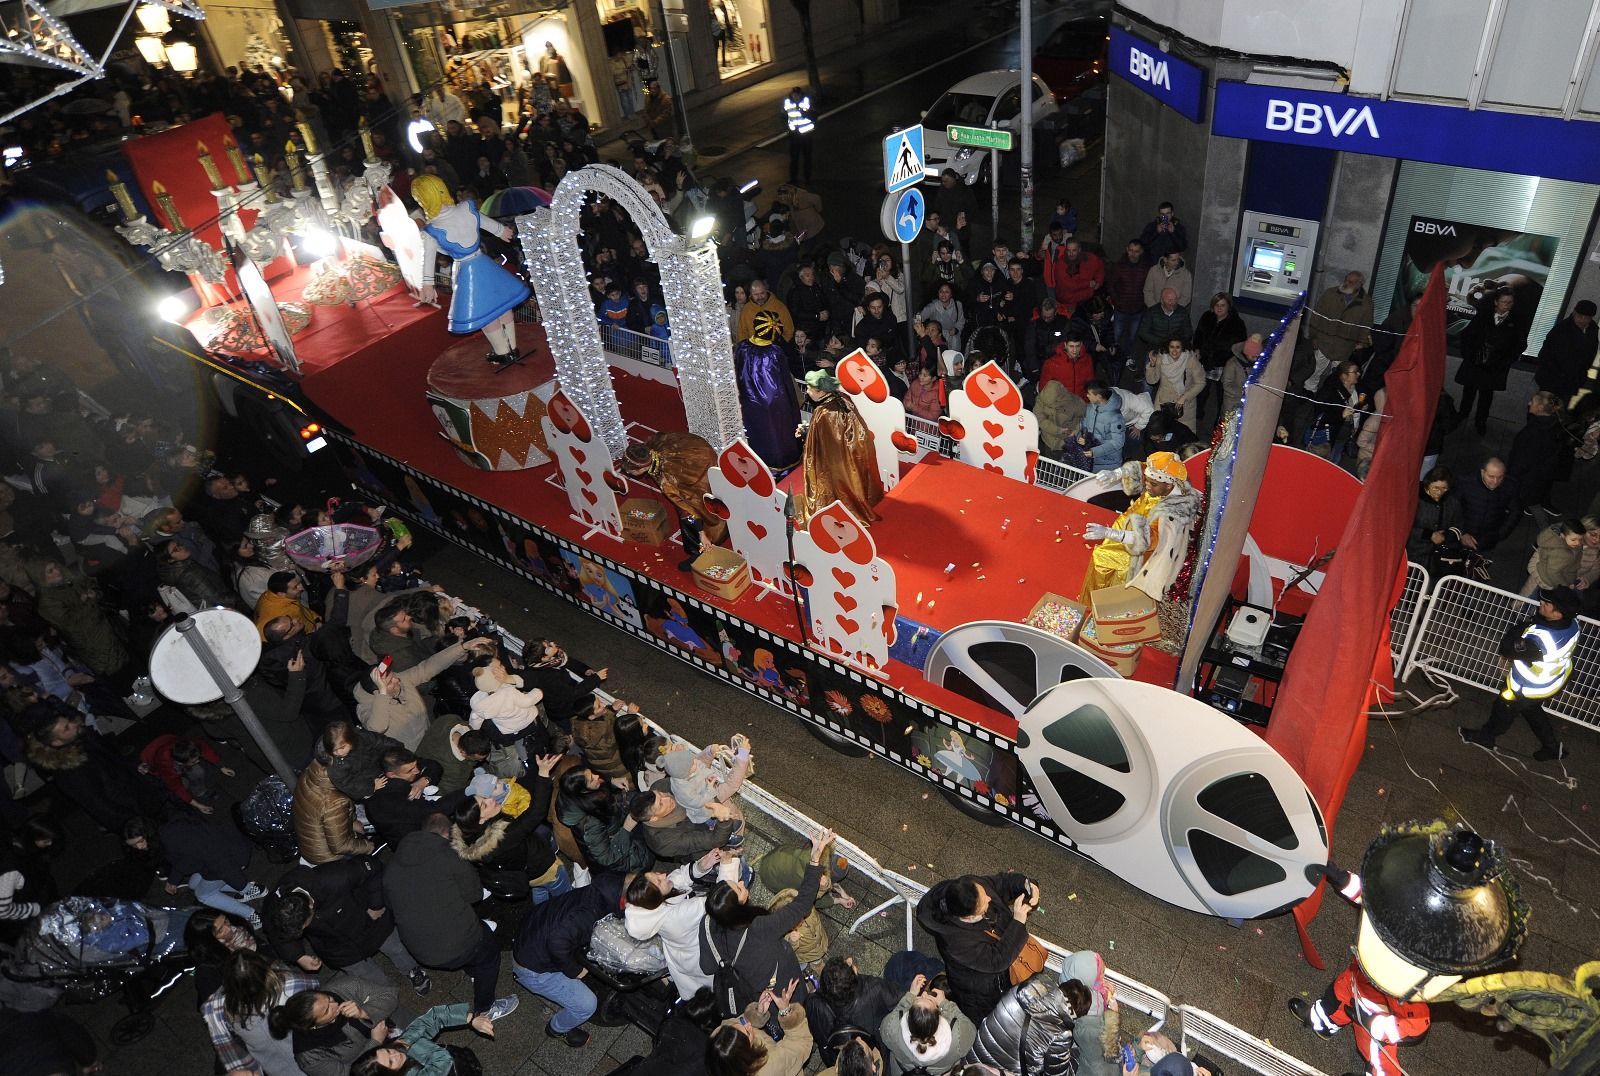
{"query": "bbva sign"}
pixel 1142 65
pixel 1313 118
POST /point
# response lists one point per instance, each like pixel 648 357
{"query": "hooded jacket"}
pixel 676 921
pixel 1107 432
pixel 1049 1047
pixel 606 845
pixel 272 605
pixel 1565 357
pixel 513 844
pixel 1159 278
pixel 431 891
pixel 93 775
pixel 1096 1031
pixel 72 606
pixel 977 956
pixel 950 1045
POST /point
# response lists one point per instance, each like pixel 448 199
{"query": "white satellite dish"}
pixel 178 673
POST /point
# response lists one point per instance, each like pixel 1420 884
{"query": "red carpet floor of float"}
pixel 1008 543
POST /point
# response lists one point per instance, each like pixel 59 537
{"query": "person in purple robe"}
pixel 767 395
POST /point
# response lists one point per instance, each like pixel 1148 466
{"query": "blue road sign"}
pixel 909 212
pixel 902 159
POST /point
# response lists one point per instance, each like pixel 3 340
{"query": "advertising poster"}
pixel 1479 261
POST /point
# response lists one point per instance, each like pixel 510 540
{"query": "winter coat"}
pixel 766 958
pixel 393 813
pixel 513 844
pixel 676 921
pixel 1060 413
pixel 679 840
pixel 1040 338
pixel 1431 516
pixel 873 999
pixel 1158 244
pixel 431 1058
pixel 157 758
pixel 278 707
pixel 1340 323
pixel 406 714
pixel 926 401
pixel 1156 327
pixel 1137 408
pixel 407 651
pixel 1214 338
pixel 1176 382
pixel 606 844
pixel 1059 368
pixel 679 1049
pixel 566 693
pixel 1106 432
pixel 503 704
pixel 439 745
pixel 271 606
pixel 1125 283
pixel 952 318
pixel 1535 455
pixel 1487 514
pixel 596 737
pixel 1049 1047
pixel 1097 1031
pixel 216 851
pixel 892 288
pixel 805 213
pixel 203 588
pixel 91 773
pixel 72 607
pixel 788 1057
pixel 325 818
pixel 977 956
pixel 1488 350
pixel 806 302
pixel 1554 563
pixel 1565 357
pixel 951 1041
pixel 554 935
pixel 1160 278
pixel 431 891
pixel 341 932
pixel 357 773
pixel 1071 283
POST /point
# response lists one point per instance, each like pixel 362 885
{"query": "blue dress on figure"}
pixel 482 288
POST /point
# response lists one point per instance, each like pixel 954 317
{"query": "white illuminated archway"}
pixel 691 284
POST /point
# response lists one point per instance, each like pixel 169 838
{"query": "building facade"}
pixel 1299 141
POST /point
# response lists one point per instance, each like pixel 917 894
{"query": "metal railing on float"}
pixel 622 343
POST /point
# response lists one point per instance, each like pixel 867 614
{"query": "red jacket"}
pixel 157 757
pixel 1074 376
pixel 1073 283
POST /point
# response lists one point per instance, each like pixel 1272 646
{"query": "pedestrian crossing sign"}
pixel 902 159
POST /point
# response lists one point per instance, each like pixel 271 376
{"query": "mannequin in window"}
pixel 555 69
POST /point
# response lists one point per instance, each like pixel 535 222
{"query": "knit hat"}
pixel 1584 307
pixel 487 784
pixel 837 259
pixel 821 379
pixel 679 764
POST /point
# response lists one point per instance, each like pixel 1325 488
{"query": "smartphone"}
pixel 383 666
pixel 1127 1057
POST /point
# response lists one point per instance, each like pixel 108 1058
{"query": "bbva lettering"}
pixel 1428 227
pixel 1146 67
pixel 1309 118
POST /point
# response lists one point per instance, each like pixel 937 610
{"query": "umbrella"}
pixel 318 548
pixel 514 201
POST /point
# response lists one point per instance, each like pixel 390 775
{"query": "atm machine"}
pixel 1275 257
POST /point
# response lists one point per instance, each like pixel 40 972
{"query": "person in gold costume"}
pixel 840 462
pixel 677 463
pixel 1132 535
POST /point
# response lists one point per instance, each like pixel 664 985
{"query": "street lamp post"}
pixel 1025 126
pixel 672 76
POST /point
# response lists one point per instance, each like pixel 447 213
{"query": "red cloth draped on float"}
pixel 1319 723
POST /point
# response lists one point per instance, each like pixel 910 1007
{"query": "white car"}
pixel 992 99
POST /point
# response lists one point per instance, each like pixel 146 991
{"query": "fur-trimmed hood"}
pixel 56 759
pixel 483 846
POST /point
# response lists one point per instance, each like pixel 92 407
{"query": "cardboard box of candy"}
pixel 1058 616
pixel 721 572
pixel 1125 615
pixel 1123 657
pixel 644 520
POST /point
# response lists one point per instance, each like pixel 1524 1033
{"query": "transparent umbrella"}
pixel 337 546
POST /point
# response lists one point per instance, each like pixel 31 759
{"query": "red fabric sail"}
pixel 1319 722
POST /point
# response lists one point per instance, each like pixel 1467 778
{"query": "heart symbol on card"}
pixel 995 469
pixel 578 454
pixel 994 450
pixel 583 476
pixel 589 496
pixel 757 529
pixel 845 601
pixel 843 577
pixel 993 429
pixel 847 624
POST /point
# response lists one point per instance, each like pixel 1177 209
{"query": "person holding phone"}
pixel 741 1046
pixel 980 926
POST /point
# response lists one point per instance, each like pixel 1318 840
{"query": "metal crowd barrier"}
pixel 641 347
pixel 1198 1027
pixel 1459 638
pixel 1407 612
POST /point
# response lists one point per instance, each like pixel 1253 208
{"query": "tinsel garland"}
pixel 1179 591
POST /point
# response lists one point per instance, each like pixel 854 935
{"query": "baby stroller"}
pixel 83 949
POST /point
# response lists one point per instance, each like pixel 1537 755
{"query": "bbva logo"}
pixel 1147 68
pixel 1429 227
pixel 1309 118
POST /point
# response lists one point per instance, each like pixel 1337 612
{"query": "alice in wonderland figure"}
pixel 484 294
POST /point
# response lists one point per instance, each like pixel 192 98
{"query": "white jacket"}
pixel 1137 407
pixel 504 703
pixel 677 923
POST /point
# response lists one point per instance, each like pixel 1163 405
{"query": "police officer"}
pixel 797 114
pixel 1538 659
